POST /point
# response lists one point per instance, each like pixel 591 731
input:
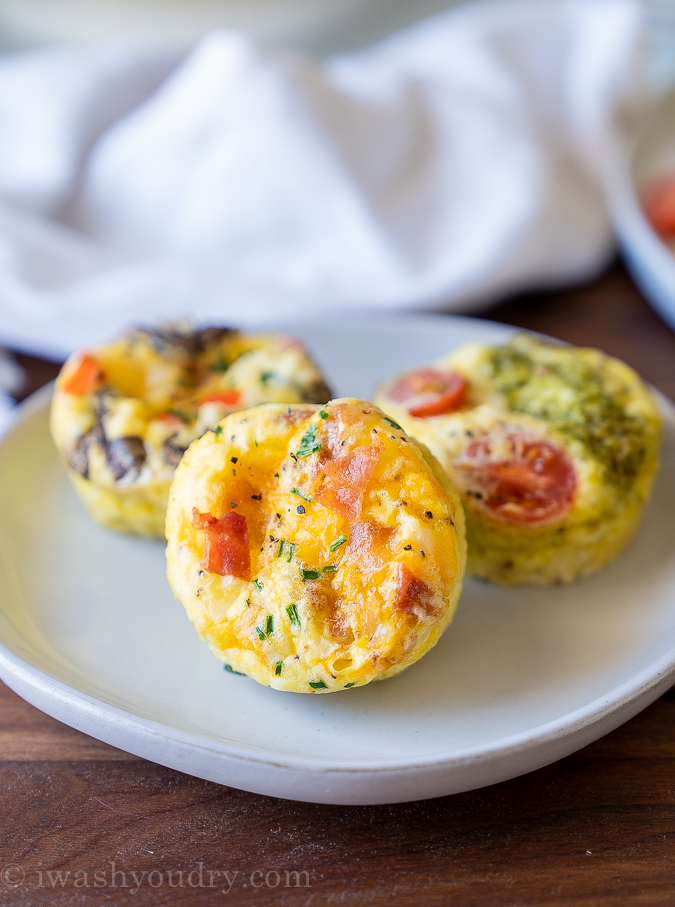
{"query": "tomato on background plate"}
pixel 429 392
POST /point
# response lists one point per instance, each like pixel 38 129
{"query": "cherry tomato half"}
pixel 429 392
pixel 520 478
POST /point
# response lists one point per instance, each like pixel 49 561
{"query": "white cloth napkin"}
pixel 453 162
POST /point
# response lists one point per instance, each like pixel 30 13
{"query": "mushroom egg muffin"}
pixel 553 448
pixel 123 414
pixel 314 548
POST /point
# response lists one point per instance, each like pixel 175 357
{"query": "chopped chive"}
pixel 277 667
pixel 308 443
pixel 291 552
pixel 276 475
pixel 260 632
pixel 392 423
pixel 301 495
pixel 310 574
pixel 336 544
pixel 348 685
pixel 281 547
pixel 218 431
pixel 265 377
pixel 231 670
pixel 269 625
pixel 221 364
pixel 331 568
pixel 323 414
pixel 258 585
pixel 317 685
pixel 292 611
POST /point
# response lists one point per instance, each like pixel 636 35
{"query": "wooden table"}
pixel 596 828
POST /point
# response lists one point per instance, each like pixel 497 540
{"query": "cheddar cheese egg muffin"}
pixel 123 414
pixel 553 448
pixel 314 548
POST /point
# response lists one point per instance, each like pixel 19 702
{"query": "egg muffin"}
pixel 553 448
pixel 123 414
pixel 314 548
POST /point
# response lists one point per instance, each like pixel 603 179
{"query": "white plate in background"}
pixel 628 175
pixel 90 633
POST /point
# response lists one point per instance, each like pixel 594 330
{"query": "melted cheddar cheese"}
pixel 344 562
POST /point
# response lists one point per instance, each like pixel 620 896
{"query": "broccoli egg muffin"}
pixel 123 414
pixel 314 548
pixel 553 448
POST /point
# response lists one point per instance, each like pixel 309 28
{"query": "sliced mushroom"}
pixel 79 457
pixel 317 392
pixel 177 341
pixel 173 452
pixel 126 456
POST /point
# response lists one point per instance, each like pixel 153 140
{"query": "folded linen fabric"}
pixel 448 164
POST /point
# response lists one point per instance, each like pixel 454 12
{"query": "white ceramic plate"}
pixel 90 633
pixel 627 175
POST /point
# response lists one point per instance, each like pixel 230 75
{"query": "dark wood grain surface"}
pixel 83 823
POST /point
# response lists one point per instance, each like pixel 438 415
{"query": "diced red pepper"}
pixel 226 549
pixel 346 479
pixel 86 377
pixel 226 397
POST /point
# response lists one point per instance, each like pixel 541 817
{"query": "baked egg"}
pixel 553 448
pixel 314 548
pixel 123 414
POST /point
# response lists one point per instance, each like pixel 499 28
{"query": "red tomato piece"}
pixel 520 478
pixel 226 549
pixel 429 392
pixel 86 377
pixel 227 397
pixel 659 205
pixel 346 479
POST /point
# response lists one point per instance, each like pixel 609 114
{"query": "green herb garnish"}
pixel 317 685
pixel 269 625
pixel 392 423
pixel 310 574
pixel 292 611
pixel 301 495
pixel 265 377
pixel 258 585
pixel 331 568
pixel 309 444
pixel 336 544
pixel 260 632
pixel 277 667
pixel 291 552
pixel 231 670
pixel 218 431
pixel 323 414
pixel 221 364
pixel 348 685
pixel 281 547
